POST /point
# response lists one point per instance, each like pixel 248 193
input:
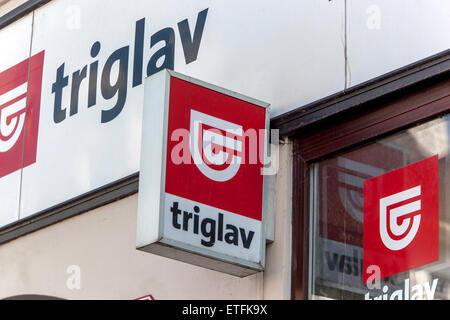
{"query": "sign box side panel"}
pixel 151 181
pixel 268 208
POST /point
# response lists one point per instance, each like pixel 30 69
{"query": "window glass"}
pixel 338 213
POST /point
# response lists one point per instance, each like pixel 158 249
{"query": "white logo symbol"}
pixel 395 214
pixel 213 143
pixel 12 116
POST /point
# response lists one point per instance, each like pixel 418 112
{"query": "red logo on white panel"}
pixel 214 143
pixel 401 219
pixel 20 96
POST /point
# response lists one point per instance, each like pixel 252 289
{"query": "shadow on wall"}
pixel 33 297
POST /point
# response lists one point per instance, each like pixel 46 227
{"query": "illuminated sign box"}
pixel 201 177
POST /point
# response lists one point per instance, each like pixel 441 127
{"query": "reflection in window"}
pixel 337 217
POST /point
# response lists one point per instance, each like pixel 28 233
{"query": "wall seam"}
pixel 25 118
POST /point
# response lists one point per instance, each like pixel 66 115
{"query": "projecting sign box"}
pixel 201 181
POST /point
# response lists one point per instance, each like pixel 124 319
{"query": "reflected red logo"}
pixel 401 219
pixel 20 98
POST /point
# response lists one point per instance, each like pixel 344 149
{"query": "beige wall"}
pixel 277 275
pixel 8 5
pixel 102 243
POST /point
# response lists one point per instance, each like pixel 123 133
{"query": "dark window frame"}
pixel 351 118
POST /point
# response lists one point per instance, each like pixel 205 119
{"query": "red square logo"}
pixel 20 98
pixel 226 138
pixel 401 219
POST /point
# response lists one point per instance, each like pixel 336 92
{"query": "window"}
pixel 376 127
pixel 337 217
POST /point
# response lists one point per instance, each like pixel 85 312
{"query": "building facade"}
pixel 357 91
